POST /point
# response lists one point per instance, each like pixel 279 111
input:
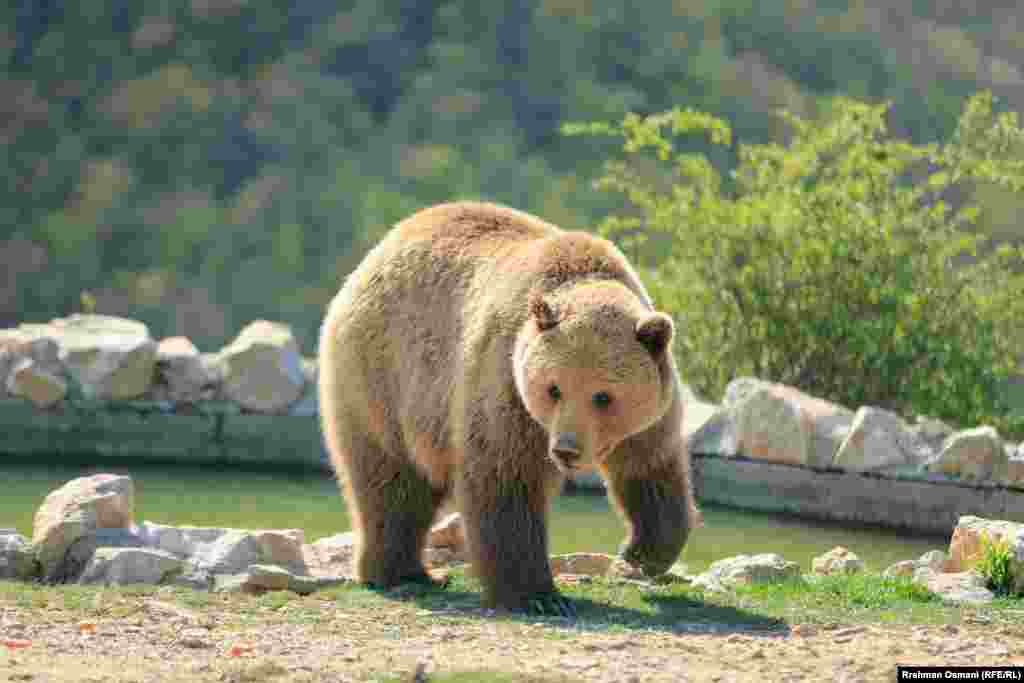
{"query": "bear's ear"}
pixel 655 332
pixel 542 312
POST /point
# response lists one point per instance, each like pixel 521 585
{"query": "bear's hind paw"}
pixel 550 605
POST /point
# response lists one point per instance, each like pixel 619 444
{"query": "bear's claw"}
pixel 551 604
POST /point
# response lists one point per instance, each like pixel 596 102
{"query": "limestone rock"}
pixel 903 568
pixel 932 431
pixel 877 439
pixel 121 566
pixel 777 423
pixel 77 509
pixel 972 454
pixel 112 358
pixel 830 424
pixel 262 368
pixel 716 436
pixel 212 551
pixel 28 379
pixel 17 559
pixel 260 578
pixel 590 564
pixel 745 569
pixel 231 553
pixel 839 560
pixel 7 361
pixel 932 562
pixel 960 588
pixel 187 374
pixel 331 555
pixel 21 343
pixel 80 553
pixel 1015 469
pixel 178 540
pixel 257 579
pixel 305 585
pixel 933 559
pixel 30 368
pixel 282 547
pixel 965 546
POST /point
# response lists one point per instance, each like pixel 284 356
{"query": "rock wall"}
pixel 100 385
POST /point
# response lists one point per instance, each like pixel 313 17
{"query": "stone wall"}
pixel 100 385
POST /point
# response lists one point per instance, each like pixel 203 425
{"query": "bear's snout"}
pixel 566 450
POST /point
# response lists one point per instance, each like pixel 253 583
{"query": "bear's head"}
pixel 592 367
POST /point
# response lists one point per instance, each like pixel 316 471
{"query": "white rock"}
pixel 28 379
pixel 960 588
pixel 77 509
pixel 122 566
pixel 745 569
pixel 281 547
pixel 331 555
pixel 589 564
pixel 966 545
pixel 187 374
pixel 112 358
pixel 17 559
pixel 839 560
pixel 972 454
pixel 774 422
pixel 935 559
pixel 716 436
pixel 904 568
pixel 262 368
pixel 877 439
pixel 1015 469
pixel 772 427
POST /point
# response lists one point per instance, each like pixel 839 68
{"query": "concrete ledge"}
pixel 137 431
pixel 930 505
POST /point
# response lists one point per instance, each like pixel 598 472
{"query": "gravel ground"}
pixel 148 638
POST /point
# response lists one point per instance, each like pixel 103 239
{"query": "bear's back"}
pixel 459 230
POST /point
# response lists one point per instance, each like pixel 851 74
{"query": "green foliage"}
pixel 995 564
pixel 200 164
pixel 832 262
pixel 853 591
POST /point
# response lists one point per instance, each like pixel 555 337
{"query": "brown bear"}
pixel 481 353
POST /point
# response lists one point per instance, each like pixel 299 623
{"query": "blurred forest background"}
pixel 198 164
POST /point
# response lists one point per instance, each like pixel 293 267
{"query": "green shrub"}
pixel 994 564
pixel 836 262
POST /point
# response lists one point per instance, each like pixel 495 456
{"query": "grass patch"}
pixel 995 564
pixel 604 604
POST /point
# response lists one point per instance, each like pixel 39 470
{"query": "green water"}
pixel 221 495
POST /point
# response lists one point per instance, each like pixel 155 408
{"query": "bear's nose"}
pixel 567 448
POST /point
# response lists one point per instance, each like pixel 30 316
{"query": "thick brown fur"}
pixel 435 363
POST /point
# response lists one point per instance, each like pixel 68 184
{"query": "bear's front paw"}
pixel 550 605
pixel 647 560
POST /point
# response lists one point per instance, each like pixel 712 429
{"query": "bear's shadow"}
pixel 673 613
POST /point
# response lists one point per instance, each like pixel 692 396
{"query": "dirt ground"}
pixel 156 639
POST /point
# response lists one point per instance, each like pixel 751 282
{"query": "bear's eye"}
pixel 602 399
pixel 554 392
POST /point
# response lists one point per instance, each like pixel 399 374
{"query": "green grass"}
pixel 605 604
